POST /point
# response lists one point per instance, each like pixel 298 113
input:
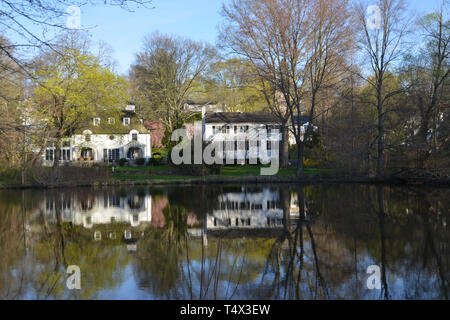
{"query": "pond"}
pixel 225 242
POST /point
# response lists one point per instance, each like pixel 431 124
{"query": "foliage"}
pixel 164 75
pixel 140 161
pixel 122 162
pixel 72 87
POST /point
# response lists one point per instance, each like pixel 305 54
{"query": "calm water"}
pixel 227 242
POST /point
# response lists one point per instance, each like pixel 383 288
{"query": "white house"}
pixel 106 140
pixel 97 209
pixel 256 131
pixel 244 135
pixel 247 210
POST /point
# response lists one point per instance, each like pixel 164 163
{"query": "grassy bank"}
pixel 166 173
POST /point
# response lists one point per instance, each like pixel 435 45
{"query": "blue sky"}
pixel 195 19
pixel 124 31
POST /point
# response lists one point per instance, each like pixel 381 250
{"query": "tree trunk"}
pixel 380 132
pixel 382 226
pixel 284 151
pixel 300 152
pixel 56 155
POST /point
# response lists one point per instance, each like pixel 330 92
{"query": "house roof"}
pixel 116 128
pixel 303 119
pixel 241 117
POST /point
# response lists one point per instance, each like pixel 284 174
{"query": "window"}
pixel 111 155
pixel 97 235
pixel 135 218
pixel 127 234
pixel 88 138
pixel 228 129
pixel 235 129
pixel 126 121
pixel 96 121
pixel 49 154
pixel 111 121
pixel 214 129
pixel 272 204
pixel 269 145
pixel 49 205
pixel 134 136
pixel 65 154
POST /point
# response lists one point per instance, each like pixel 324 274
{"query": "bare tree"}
pixel 295 45
pixel 426 78
pixel 28 22
pixel 382 42
pixel 165 74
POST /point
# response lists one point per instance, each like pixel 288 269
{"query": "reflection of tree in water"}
pixel 51 247
pixel 158 259
pixel 14 273
pixel 322 253
pixel 293 265
pixel 101 263
pixel 389 229
pixel 170 264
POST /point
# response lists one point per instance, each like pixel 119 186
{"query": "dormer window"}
pixel 96 121
pixel 126 121
pixel 130 107
pixel 111 121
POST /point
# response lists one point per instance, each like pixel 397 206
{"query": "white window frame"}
pixel 97 235
pixel 96 121
pixel 126 121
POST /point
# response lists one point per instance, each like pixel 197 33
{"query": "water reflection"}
pixel 227 242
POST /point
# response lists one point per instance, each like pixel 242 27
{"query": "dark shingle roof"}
pixel 241 117
pixel 303 119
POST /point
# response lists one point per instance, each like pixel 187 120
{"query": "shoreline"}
pixel 240 180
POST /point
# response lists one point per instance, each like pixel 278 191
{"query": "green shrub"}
pixel 310 163
pixel 140 161
pixel 155 160
pixel 122 162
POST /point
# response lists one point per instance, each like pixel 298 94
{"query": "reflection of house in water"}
pixel 247 210
pixel 294 210
pixel 100 209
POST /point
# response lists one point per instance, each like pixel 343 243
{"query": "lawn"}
pixel 165 173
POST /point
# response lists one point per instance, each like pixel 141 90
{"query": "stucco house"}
pixel 105 140
pixel 230 126
pixel 255 131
